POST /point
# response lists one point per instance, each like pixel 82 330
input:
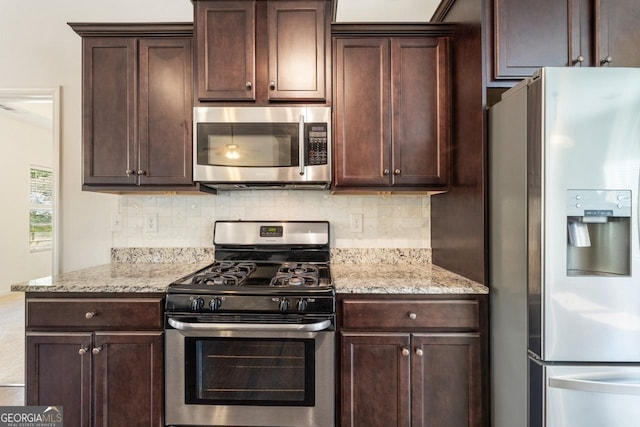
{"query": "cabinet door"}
pixel 109 110
pixel 446 388
pixel 128 376
pixel 420 103
pixel 58 375
pixel 375 380
pixel 164 111
pixel 225 51
pixel 529 35
pixel 362 127
pixel 619 33
pixel 296 32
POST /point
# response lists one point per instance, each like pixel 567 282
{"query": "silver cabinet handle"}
pixel 307 327
pixel 141 172
pixel 272 85
pixel 396 172
pixel 419 352
pixel 129 172
pixel 83 351
pixel 595 385
pixel 385 172
pixel 90 314
pixel 405 351
pixel 248 85
pixel 96 350
pixel 579 60
pixel 606 60
pixel 413 316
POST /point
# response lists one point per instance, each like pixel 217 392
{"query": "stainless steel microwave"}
pixel 262 147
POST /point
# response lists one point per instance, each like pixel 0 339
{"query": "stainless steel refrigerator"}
pixel 564 162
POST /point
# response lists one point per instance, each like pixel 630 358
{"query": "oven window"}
pixel 250 371
pixel 248 144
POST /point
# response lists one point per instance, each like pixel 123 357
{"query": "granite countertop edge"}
pixel 155 277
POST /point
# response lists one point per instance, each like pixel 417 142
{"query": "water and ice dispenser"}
pixel 599 232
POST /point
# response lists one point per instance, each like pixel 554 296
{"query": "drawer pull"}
pixel 96 350
pixel 83 351
pixel 90 315
pixel 405 351
pixel 419 352
pixel 413 316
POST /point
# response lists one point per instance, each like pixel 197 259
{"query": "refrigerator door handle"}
pixel 611 385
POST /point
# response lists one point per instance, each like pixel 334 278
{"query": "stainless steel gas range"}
pixel 250 339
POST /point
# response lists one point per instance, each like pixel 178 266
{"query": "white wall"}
pixel 39 49
pixel 23 145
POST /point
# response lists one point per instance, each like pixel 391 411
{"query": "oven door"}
pixel 249 374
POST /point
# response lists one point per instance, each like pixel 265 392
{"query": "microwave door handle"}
pixel 306 327
pixel 301 144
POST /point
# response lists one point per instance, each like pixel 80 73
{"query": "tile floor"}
pixel 12 349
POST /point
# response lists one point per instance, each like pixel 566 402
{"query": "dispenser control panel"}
pixel 598 204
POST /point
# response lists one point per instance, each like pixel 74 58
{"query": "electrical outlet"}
pixel 150 223
pixel 116 222
pixel 356 223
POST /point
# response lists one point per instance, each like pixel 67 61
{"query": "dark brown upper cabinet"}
pixel 392 113
pixel 137 106
pixel 530 35
pixel 260 51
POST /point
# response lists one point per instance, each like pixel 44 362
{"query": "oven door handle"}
pixel 307 327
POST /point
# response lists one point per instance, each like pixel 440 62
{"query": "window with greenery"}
pixel 40 209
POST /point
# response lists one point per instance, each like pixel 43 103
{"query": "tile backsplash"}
pixel 187 221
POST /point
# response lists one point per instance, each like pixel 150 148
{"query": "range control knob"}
pixel 197 304
pixel 301 305
pixel 283 304
pixel 215 303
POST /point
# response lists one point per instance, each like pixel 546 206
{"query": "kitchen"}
pixel 387 222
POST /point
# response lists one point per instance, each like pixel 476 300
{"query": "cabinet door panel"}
pixel 446 388
pixel 165 111
pixel 420 106
pixel 296 31
pixel 129 380
pixel 362 128
pixel 529 35
pixel 226 36
pixel 375 380
pixel 109 110
pixel 57 375
pixel 619 33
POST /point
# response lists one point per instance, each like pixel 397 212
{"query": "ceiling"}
pixel 385 10
pixel 32 109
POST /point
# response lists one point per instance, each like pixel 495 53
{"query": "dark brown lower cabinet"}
pixel 422 375
pixel 111 376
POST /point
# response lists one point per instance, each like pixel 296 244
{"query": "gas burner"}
pixel 224 273
pixel 296 275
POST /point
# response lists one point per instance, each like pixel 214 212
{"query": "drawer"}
pixel 94 313
pixel 410 314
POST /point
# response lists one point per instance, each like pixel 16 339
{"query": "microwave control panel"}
pixel 316 143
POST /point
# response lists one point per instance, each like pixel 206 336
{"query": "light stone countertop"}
pixel 116 277
pixel 401 279
pixel 348 278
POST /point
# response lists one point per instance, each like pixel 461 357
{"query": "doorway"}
pixel 29 183
pixel 29 177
